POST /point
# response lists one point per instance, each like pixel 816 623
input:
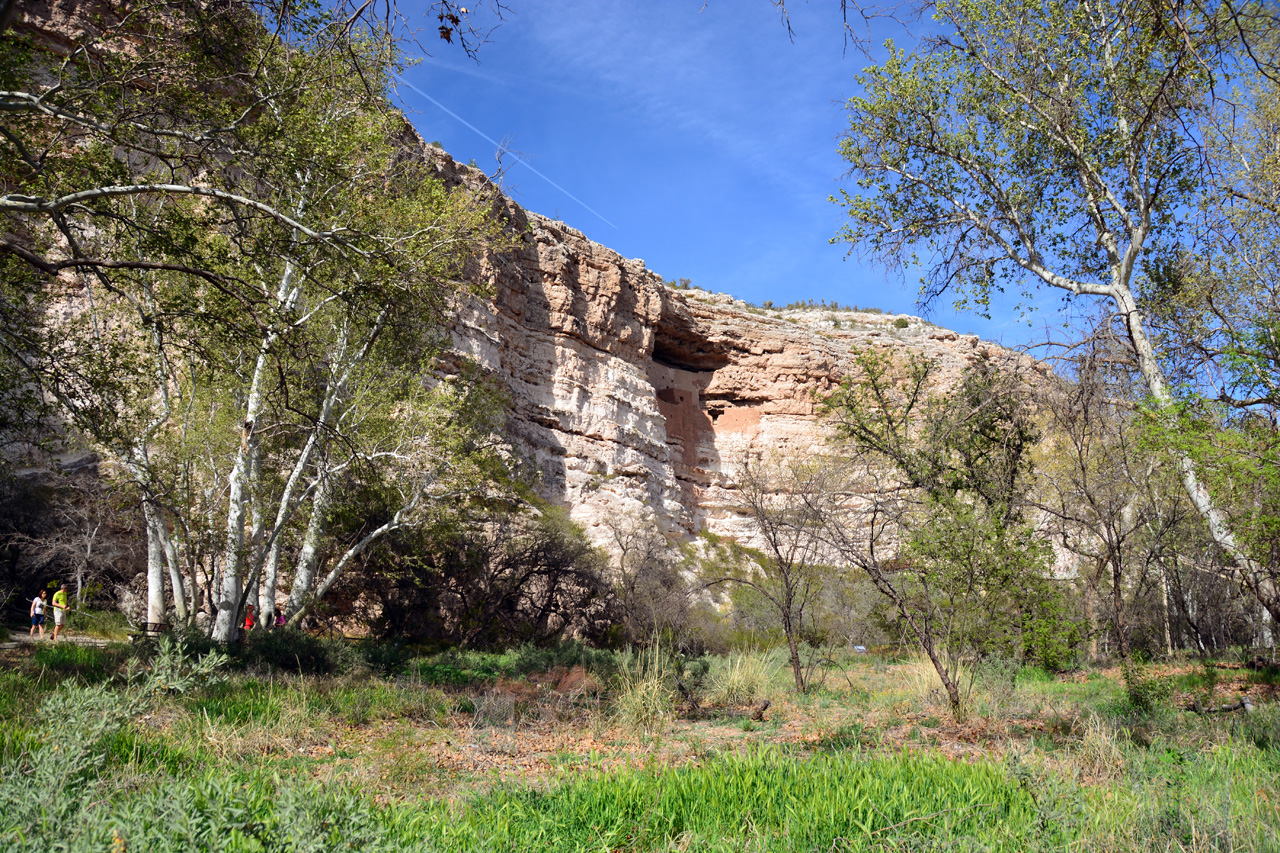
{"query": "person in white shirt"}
pixel 37 614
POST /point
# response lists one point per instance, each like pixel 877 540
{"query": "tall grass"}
pixel 644 698
pixel 764 801
pixel 744 679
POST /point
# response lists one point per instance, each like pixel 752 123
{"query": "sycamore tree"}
pixel 1215 309
pixel 1054 144
pixel 229 271
pixel 1105 497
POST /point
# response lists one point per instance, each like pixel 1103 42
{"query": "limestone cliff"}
pixel 634 398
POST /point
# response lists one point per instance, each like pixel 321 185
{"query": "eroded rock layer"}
pixel 638 400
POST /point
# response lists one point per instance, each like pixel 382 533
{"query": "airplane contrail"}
pixel 490 140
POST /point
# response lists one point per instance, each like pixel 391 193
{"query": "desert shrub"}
pixel 997 672
pixel 901 323
pixel 42 789
pixel 174 669
pixel 219 812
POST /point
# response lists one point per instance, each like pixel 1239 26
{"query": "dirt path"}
pixel 17 639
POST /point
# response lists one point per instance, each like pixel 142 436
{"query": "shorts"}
pixel 59 617
pixel 37 620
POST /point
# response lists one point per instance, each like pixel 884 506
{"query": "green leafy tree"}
pixel 935 516
pixel 1107 500
pixel 1052 144
pixel 244 249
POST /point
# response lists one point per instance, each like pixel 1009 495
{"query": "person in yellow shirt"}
pixel 60 608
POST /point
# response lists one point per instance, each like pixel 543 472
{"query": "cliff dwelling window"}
pixel 675 396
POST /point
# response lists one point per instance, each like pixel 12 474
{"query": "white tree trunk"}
pixel 155 562
pixel 1246 572
pixel 309 555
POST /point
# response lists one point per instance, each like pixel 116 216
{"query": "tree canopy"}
pixel 1065 145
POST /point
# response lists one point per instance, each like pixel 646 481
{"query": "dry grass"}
pixel 745 679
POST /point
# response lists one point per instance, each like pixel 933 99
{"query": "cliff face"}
pixel 638 400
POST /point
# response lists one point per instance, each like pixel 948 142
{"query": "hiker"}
pixel 37 614
pixel 279 620
pixel 60 608
pixel 248 617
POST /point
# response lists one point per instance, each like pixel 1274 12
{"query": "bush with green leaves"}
pixel 174 670
pixel 289 650
pixel 1147 693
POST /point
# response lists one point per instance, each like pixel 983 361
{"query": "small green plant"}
pixel 107 624
pixel 88 663
pixel 287 650
pixel 175 670
pixel 849 736
pixel 901 323
pixel 1146 692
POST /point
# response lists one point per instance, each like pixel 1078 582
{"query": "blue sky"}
pixel 698 137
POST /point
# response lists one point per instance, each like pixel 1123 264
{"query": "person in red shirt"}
pixel 248 617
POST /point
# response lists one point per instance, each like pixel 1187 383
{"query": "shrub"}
pixel 175 670
pixel 901 323
pixel 1146 693
pixel 289 650
pixel 385 658
pixel 530 658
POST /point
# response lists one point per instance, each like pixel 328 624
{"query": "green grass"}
pixel 468 668
pixel 55 662
pixel 238 701
pixel 227 766
pixel 104 624
pixel 766 799
pixel 20 695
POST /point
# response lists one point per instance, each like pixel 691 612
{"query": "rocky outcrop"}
pixel 635 399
